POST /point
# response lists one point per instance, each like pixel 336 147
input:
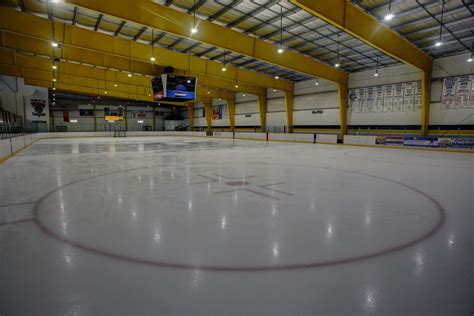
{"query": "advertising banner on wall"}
pixel 389 140
pixel 467 143
pixel 420 141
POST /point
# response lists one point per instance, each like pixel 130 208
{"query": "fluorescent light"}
pixel 115 84
pixel 243 95
pixel 194 30
pixel 54 88
pixel 280 50
pixel 389 17
pixel 236 85
pixel 54 79
pixel 152 58
pixel 224 68
pixel 317 83
pixel 54 44
pixel 140 122
pixel 469 59
pixel 129 75
pixel 337 65
pixel 54 67
pixel 72 121
pixel 438 44
pixel 376 74
pixel 276 77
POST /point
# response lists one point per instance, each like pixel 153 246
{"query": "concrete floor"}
pixel 194 226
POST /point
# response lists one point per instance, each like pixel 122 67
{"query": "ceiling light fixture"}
pixel 389 15
pixel 317 82
pixel 469 60
pixel 376 74
pixel 276 77
pixel 224 68
pixel 54 44
pixel 337 64
pixel 236 85
pixel 152 58
pixel 280 49
pixel 194 29
pixel 440 42
pixel 54 67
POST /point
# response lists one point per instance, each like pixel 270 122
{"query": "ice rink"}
pixel 200 226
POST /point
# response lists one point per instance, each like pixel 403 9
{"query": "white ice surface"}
pixel 199 226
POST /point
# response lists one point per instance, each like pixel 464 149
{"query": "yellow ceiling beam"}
pixel 350 18
pixel 87 80
pixel 178 23
pixel 86 46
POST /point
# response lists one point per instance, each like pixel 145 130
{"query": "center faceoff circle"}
pixel 238 216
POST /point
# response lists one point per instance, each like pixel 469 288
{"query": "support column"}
pixel 231 111
pixel 425 102
pixel 126 118
pixel 208 111
pixel 262 108
pixel 154 117
pixel 343 103
pixel 289 101
pixel 95 117
pixel 191 115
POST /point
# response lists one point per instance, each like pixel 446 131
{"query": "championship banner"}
pixel 217 112
pixel 361 95
pixel 463 91
pixel 369 100
pixel 398 97
pixel 408 96
pixel 36 105
pixel 448 97
pixel 352 99
pixel 378 103
pixel 417 104
pixel 388 98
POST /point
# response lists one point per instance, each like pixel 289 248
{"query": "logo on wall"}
pixel 38 106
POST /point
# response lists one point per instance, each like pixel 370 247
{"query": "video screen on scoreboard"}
pixel 174 88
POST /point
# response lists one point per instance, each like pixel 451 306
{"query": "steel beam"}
pixel 175 22
pixel 231 111
pixel 343 103
pixel 425 101
pixel 348 17
pixel 94 48
pixel 262 108
pixel 191 115
pixel 85 79
pixel 208 112
pixel 289 106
